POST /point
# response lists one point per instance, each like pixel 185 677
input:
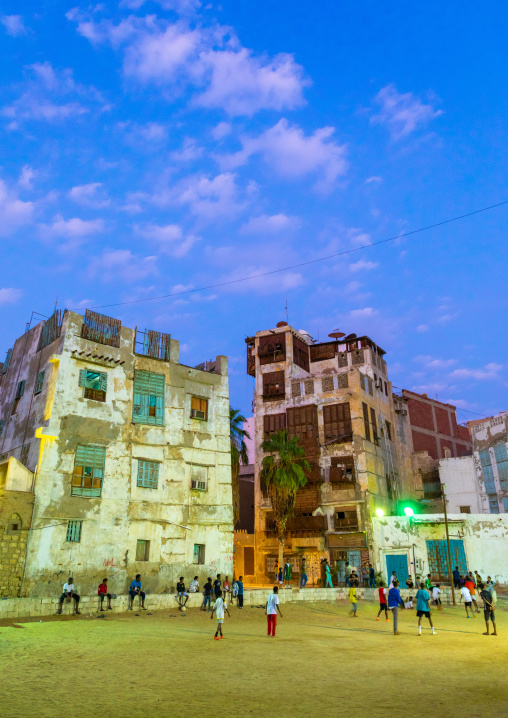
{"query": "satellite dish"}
pixel 336 335
pixel 281 324
pixel 350 337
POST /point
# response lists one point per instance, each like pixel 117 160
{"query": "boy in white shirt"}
pixel 435 595
pixel 219 607
pixel 409 603
pixel 69 593
pixel 272 606
pixel 468 601
pixel 194 585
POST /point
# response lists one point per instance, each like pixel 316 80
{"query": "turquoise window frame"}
pixel 90 459
pixel 148 399
pixel 148 474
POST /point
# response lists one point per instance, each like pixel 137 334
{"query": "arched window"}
pixel 15 524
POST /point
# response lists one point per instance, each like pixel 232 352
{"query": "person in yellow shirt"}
pixel 353 600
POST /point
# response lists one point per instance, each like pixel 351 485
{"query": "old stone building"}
pixel 490 455
pixel 127 454
pixel 336 397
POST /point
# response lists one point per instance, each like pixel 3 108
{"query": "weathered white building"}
pixel 418 545
pixel 490 442
pixel 129 452
pixel 463 494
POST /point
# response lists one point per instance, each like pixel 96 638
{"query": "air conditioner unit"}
pixel 196 414
pixel 198 485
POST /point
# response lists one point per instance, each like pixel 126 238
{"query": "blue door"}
pixel 437 552
pixel 397 563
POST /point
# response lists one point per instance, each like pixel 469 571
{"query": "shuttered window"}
pixel 337 422
pixel 148 474
pixel 7 361
pixel 94 383
pixel 366 423
pixel 273 385
pixel 320 352
pixel 273 423
pixel 39 383
pixel 301 353
pixel 20 390
pixel 272 348
pixel 88 472
pixel 302 423
pixel 487 471
pixel 199 408
pixel 502 465
pixel 148 398
pixel 373 421
pixel 74 531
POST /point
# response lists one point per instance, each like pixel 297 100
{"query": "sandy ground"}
pixel 322 662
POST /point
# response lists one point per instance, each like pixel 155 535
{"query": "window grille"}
pixel 88 472
pixel 153 344
pixel 148 474
pixel 465 509
pixel 51 330
pixel 74 531
pixel 148 398
pixel 39 383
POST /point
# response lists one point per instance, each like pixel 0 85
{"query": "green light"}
pixel 380 513
pixel 409 511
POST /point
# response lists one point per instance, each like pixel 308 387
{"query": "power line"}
pixel 307 263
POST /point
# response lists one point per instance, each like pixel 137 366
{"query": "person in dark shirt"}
pixel 181 593
pixel 456 577
pixel 217 587
pixel 372 577
pixel 207 600
pixel 488 609
pixel 239 600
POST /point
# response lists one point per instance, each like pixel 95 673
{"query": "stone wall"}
pixel 13 505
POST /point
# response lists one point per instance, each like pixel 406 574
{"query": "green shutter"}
pixel 7 361
pixel 39 383
pixel 82 377
pixel 103 381
pixel 21 389
pixel 148 392
pixel 1 426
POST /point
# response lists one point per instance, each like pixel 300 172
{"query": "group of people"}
pixel 366 577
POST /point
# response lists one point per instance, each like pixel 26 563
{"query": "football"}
pixel 183 608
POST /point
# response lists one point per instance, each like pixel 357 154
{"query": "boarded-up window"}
pixel 342 360
pixel 296 388
pixel 342 470
pixel 366 424
pixel 301 353
pixel 273 423
pixel 148 405
pixel 358 357
pixel 327 383
pixel 373 421
pixel 302 423
pixel 248 560
pixel 320 352
pixel 342 380
pixel 346 517
pixel 251 359
pixel 337 421
pixel 273 385
pixel 309 386
pixel 272 348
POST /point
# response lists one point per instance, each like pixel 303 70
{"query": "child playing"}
pixel 194 585
pixel 239 600
pixel 382 601
pixel 272 606
pixel 219 607
pixel 353 601
pixel 226 587
pixel 280 577
pixel 488 608
pixel 234 589
pixel 423 608
pixel 466 595
pixel 207 595
pixel 409 603
pixel 435 595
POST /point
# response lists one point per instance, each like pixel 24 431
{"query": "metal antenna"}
pixel 287 315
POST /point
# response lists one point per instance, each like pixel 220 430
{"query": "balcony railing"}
pixel 102 329
pixel 150 343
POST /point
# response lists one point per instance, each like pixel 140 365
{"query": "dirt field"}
pixel 322 662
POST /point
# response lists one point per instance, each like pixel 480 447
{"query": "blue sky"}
pixel 149 148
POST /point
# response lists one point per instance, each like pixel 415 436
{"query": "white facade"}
pixel 462 491
pixel 490 453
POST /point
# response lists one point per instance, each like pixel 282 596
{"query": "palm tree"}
pixel 283 473
pixel 238 455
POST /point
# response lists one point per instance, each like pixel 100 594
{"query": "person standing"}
pixel 477 578
pixel 436 593
pixel 466 595
pixel 353 601
pixel 281 576
pixel 287 574
pixel 103 593
pixel 218 608
pixel 239 600
pixel 423 608
pixel 226 588
pixel 217 586
pixel 491 586
pixel 135 590
pixel 276 569
pixel 70 595
pixel 383 592
pixel 394 602
pixel 372 577
pixel 470 585
pixel 303 573
pixel 456 577
pixel 347 574
pixel 272 606
pixel 488 609
pixel 428 583
pixel 393 578
pixel 328 575
pixel 207 595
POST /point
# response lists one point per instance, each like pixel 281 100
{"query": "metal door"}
pixel 437 552
pixel 397 563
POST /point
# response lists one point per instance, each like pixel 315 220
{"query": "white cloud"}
pixel 13 24
pixel 74 228
pixel 358 238
pixel 88 195
pixel 274 224
pixel 209 199
pixel 209 60
pixel 292 154
pixel 13 212
pixel 432 363
pixel 8 295
pixel 268 284
pixel 422 328
pixel 402 113
pixel 190 151
pixel 183 7
pixel 364 313
pixel 169 238
pixel 489 371
pixel 122 264
pixel 223 129
pixel 373 180
pixel 152 132
pixel 362 266
pixel 26 177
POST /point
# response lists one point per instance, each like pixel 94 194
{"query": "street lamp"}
pixel 380 513
pixel 409 511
